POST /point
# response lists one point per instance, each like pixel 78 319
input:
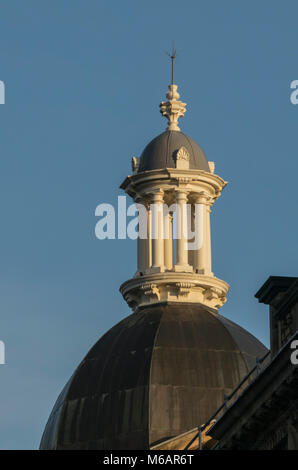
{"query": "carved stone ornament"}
pixel 183 154
pixel 172 109
pixel 182 159
pixel 182 180
pixel 135 163
pixel 150 290
pixel 184 287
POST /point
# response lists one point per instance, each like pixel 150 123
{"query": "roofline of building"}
pixel 244 409
pixel 274 286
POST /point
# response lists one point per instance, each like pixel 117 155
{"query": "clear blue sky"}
pixel 83 83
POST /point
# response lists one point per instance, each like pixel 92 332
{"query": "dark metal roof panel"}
pixel 195 362
pixel 248 344
pixel 50 434
pixel 161 152
pixel 107 400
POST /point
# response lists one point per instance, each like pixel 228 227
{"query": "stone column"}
pixel 157 232
pixel 191 241
pixel 208 240
pixel 142 242
pixel 202 256
pixel 149 237
pixel 168 241
pixel 181 264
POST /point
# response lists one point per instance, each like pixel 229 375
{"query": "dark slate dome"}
pixel 156 374
pixel 161 152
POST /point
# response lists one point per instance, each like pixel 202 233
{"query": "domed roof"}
pixel 158 373
pixel 161 152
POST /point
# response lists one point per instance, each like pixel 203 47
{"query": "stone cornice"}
pixel 289 299
pixel 272 287
pixel 169 178
pixel 174 287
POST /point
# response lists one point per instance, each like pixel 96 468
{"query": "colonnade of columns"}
pixel 166 249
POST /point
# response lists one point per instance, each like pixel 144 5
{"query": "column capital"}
pixel 202 198
pixel 181 194
pixel 157 196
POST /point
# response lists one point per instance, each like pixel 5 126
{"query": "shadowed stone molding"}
pixel 135 163
pixel 174 287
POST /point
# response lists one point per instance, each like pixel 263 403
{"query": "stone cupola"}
pixel 174 187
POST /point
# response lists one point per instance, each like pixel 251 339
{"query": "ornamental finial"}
pixel 172 109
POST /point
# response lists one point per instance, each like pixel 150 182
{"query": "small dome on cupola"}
pixel 162 151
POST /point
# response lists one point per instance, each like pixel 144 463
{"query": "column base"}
pixel 183 268
pixel 156 269
pixel 203 271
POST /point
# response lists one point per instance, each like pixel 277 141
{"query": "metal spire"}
pixel 173 56
pixel 173 109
